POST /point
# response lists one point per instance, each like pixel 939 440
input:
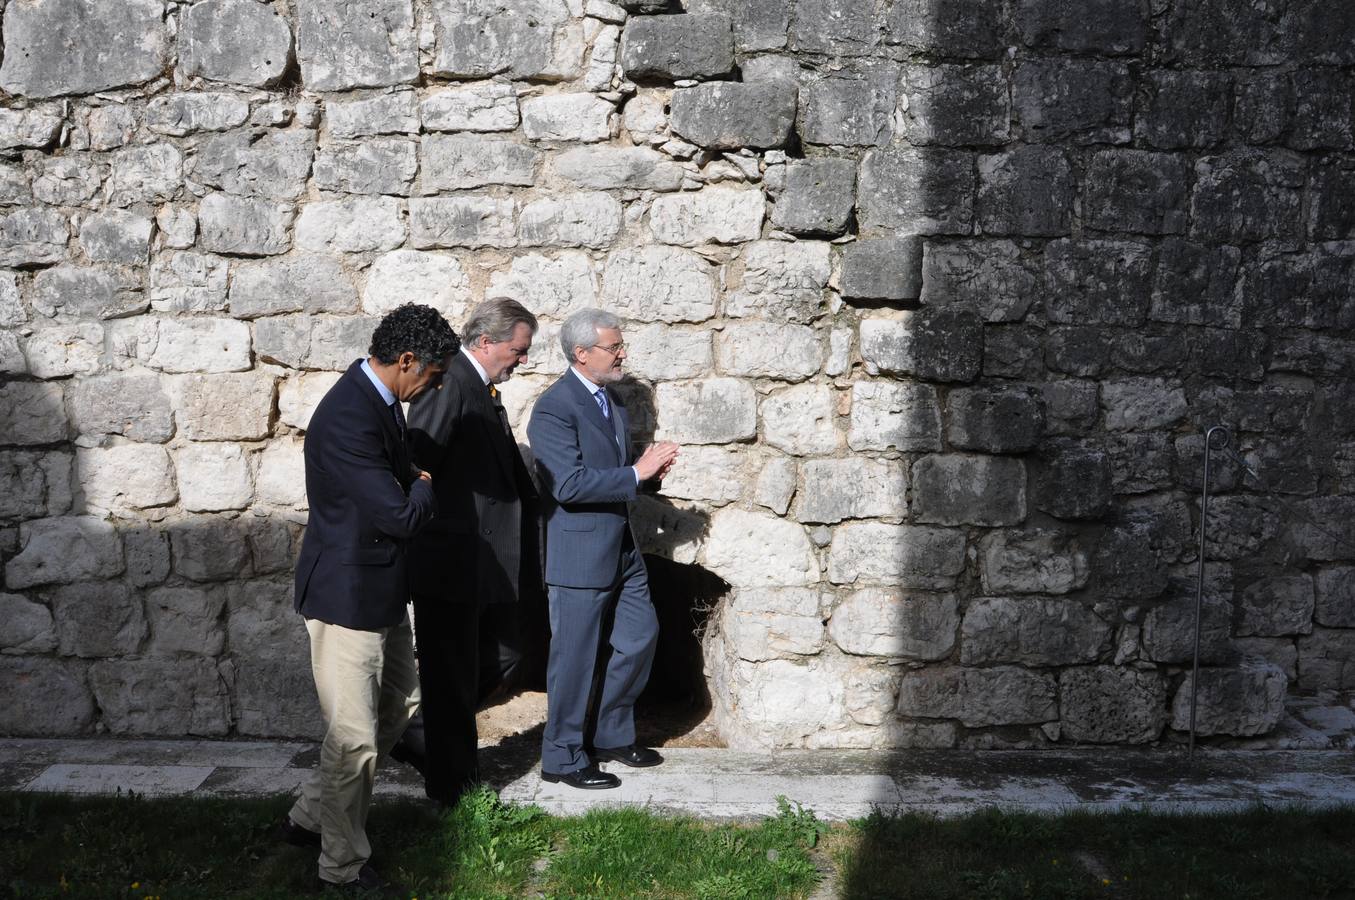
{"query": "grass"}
pixel 135 847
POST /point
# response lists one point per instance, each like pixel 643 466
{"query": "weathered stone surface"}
pixel 1184 109
pixel 464 221
pixel 1025 191
pixel 81 292
pixel 1279 605
pixel 955 105
pixel 606 168
pixel 882 269
pixel 801 420
pixel 1036 561
pixel 351 226
pixel 1334 538
pixel 1194 285
pixel 913 556
pixel 61 350
pixel 161 697
pixel 147 173
pixel 1332 210
pixel 242 226
pixel 374 166
pixel 1246 196
pixel 662 353
pixel 773 623
pixel 69 180
pixel 766 350
pixel 918 191
pixel 553 286
pixel 96 620
pixel 178 227
pixel 57 47
pixel 1112 705
pixel 695 45
pixel 269 163
pixel 181 114
pixel 857 488
pixel 313 342
pixel 29 128
pixel 47 697
pixel 958 489
pixel 517 38
pixel 126 477
pixel 1335 597
pixel 995 420
pixel 934 344
pixel 146 549
pixel 707 411
pixel 208 548
pixel 1001 695
pixel 750 549
pixel 588 219
pixel 455 161
pixel 196 345
pixel 732 115
pixel 416 276
pixel 479 106
pixel 782 281
pixel 963 28
pixel 1136 191
pixel 1243 701
pixel 185 622
pixel 298 396
pixel 711 474
pixel 1103 26
pixel 1142 403
pixel 34 484
pixel 775 484
pixel 567 117
pixel 213 477
pixel 1032 631
pixel 818 198
pixel 891 416
pixel 63 550
pixel 117 236
pixel 1326 660
pixel 852 108
pixel 881 622
pixel 1083 101
pixel 718 215
pixel 195 282
pixel 33 237
pixel 232 407
pixel 839 27
pixel 31 413
pixel 281 479
pixel 304 282
pixel 335 56
pixel 112 126
pixel 394 113
pixel 235 41
pixel 15 188
pixel 26 627
pixel 1129 560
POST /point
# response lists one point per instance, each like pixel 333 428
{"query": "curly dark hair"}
pixel 417 329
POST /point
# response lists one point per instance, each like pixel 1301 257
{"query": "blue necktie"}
pixel 601 396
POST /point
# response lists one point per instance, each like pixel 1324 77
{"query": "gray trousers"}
pixel 601 647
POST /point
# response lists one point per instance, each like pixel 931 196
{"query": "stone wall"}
pixel 938 296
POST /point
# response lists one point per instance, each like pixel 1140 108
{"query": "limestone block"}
pixel 63 550
pixel 656 283
pixel 713 215
pixel 607 168
pixel 728 115
pixel 773 623
pixel 61 350
pixel 302 282
pixel 272 546
pixel 994 420
pixel 112 126
pixel 12 354
pixel 1082 101
pixel 852 108
pixel 750 549
pixel 882 269
pixel 1194 285
pixel 117 236
pixel 695 45
pixel 260 623
pixel 335 56
pixel 1184 109
pixel 912 556
pixel 68 180
pixel 1129 559
pixel 883 622
pixel 353 225
pixel 801 420
pixel 1035 561
pixel 313 342
pixel 1142 403
pixel 767 350
pixel 266 163
pixel 232 407
pixel 145 173
pixel 477 106
pixel 243 226
pixel 1032 631
pixel 1025 191
pixel 1246 196
pixel 958 489
pixel 147 552
pixel 31 237
pixel 416 276
pixel 758 24
pixel 673 531
pixel 178 227
pixel 935 344
pixel 1112 705
pixel 161 697
pixel 916 191
pixel 207 548
pixel 567 117
pixel 25 626
pixel 298 396
pixel 1240 526
pixel 1326 660
pixel 1001 695
pixel 393 113
pixel 182 114
pixel 990 277
pixel 712 474
pixel 1098 27
pixel 707 411
pixel 1243 701
pixel 517 38
pixel 775 484
pixel 1275 606
pixel 46 697
pixel 213 477
pixel 34 128
pixel 1136 191
pixel 663 353
pixel 1334 538
pixel 94 620
pixel 854 488
pixel 373 166
pixel 467 220
pixel 81 292
pixel 235 41
pixel 198 345
pixel 1070 480
pixel 15 189
pixel 549 286
pixel 819 196
pixel 126 403
pixel 782 281
pixel 781 703
pixel 1335 597
pixel 894 416
pixel 839 27
pixel 117 43
pixel 185 622
pixel 31 413
pixel 587 219
pixel 282 475
pixel 955 105
pixel 1332 214
pixel 645 117
pixel 456 161
pixel 126 477
pixel 34 484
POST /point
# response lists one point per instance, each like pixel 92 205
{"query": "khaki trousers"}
pixel 368 688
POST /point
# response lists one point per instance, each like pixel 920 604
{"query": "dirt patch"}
pixel 658 724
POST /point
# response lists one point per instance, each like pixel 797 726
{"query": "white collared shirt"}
pixel 484 376
pixel 380 386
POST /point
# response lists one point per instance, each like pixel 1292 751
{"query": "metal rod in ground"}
pixel 1199 577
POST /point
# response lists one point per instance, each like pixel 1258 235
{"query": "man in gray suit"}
pixel 601 616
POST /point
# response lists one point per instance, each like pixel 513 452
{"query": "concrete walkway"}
pixel 720 784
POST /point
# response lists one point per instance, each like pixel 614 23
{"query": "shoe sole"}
pixel 625 762
pixel 560 779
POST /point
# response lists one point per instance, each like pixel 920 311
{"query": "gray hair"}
pixel 581 330
pixel 496 318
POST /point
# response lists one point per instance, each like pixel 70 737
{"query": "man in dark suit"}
pixel 601 615
pixel 366 500
pixel 468 566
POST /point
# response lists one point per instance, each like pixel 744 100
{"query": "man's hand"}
pixel 424 476
pixel 656 460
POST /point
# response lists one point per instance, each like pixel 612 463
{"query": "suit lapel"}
pixel 382 411
pixel 592 412
pixel 477 393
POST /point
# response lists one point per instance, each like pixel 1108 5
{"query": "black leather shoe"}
pixel 367 882
pixel 589 778
pixel 632 755
pixel 410 748
pixel 294 834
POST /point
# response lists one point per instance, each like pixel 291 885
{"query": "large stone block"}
pixel 31 413
pixel 117 236
pixel 26 627
pixel 335 55
pixel 229 407
pixel 554 286
pixel 354 225
pixel 417 276
pixel 146 173
pixel 468 220
pixel 1275 606
pixel 243 226
pixel 708 411
pixel 45 697
pixel 1036 561
pixel 696 45
pixel 187 281
pixel 34 128
pixel 195 345
pixel 935 344
pixel 478 106
pixel 1332 211
pixel 818 198
pixel 1247 196
pixel 276 698
pixel 856 488
pixel 718 215
pixel 1335 597
pixel 1194 284
pixel 1070 480
pixel 37 485
pixel 32 237
pixel 1322 110
pixel 313 342
pixel 1001 695
pixel 1183 109
pixel 1136 191
pixel 995 420
pixel 1112 705
pixel 394 113
pixel 517 38
pixel 1099 26
pixel 1025 191
pixel 1083 101
pixel 161 697
pixel 1325 530
pixel 775 484
pixel 182 114
pixel 70 180
pixel 765 350
pixel 917 191
pixel 81 292
pixel 1142 403
pixel 61 350
pixel 213 477
pixel 1032 631
pixel 882 269
pixel 801 420
pixel 958 489
pixel 1129 560
pixel 760 624
pixel 126 477
pixel 882 622
pixel 63 550
pixel 303 282
pixel 456 161
pixel 750 549
pixel 609 168
pixel 1243 701
pixel 783 281
pixel 960 28
pixel 373 166
pixel 894 416
pixel 281 479
pixel 711 474
pixel 955 105
pixel 15 183
pixel 235 41
pixel 1326 660
pixel 94 620
pixel 185 621
pixel 56 47
pixel 299 395
pixel 146 549
pixel 272 164
pixel 557 118
pixel 731 115
pixel 913 556
pixel 853 108
pixel 589 219
pixel 207 548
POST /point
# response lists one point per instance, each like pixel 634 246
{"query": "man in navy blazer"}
pixel 601 614
pixel 366 501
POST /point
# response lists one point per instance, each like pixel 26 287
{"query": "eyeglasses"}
pixel 611 350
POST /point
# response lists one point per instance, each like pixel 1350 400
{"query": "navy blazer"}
pixel 584 462
pixel 366 501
